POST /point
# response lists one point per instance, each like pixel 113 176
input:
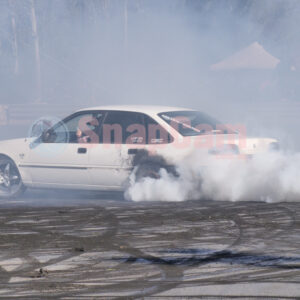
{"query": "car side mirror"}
pixel 48 136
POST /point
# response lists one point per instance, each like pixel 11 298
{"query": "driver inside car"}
pixel 87 129
pixel 81 137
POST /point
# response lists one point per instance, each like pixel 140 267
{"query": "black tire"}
pixel 149 165
pixel 147 170
pixel 151 170
pixel 11 185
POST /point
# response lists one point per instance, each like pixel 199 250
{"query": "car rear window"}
pixel 189 123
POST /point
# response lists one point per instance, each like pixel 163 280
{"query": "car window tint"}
pixel 121 127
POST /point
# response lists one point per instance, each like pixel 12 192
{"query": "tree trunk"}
pixel 14 41
pixel 37 52
pixel 125 24
pixel 105 8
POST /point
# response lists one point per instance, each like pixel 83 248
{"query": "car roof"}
pixel 152 109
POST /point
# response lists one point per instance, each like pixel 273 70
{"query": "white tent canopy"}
pixel 251 57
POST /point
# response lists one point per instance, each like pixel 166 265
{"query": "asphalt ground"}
pixel 79 245
pixel 76 245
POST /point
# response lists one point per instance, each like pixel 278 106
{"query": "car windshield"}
pixel 189 123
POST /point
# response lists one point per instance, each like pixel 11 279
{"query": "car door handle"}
pixel 81 150
pixel 132 151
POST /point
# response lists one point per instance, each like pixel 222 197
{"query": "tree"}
pixel 37 51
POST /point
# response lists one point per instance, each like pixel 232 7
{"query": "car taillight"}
pixel 225 149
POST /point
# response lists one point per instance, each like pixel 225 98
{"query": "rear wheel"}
pixel 148 166
pixel 151 170
pixel 147 170
pixel 11 184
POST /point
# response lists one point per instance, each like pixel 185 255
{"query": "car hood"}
pixel 14 141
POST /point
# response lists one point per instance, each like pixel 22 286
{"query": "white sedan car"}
pixel 97 148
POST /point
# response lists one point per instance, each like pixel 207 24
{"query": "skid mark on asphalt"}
pixel 116 249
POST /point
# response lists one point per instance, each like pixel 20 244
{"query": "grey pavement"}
pixel 78 245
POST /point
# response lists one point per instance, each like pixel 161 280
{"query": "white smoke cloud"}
pixel 270 177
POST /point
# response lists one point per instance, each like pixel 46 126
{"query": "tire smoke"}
pixel 270 177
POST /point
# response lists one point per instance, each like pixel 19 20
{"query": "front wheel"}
pixel 11 184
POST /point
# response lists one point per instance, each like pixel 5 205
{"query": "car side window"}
pixel 155 133
pixel 122 127
pixel 79 128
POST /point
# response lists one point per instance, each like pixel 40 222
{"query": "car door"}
pixel 61 157
pixel 122 135
pixel 110 160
